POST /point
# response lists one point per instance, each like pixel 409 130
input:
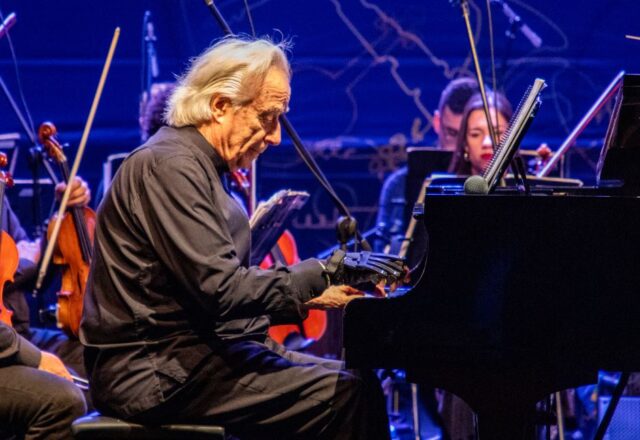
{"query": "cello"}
pixel 8 252
pixel 74 244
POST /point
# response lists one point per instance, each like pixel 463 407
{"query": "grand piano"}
pixel 519 295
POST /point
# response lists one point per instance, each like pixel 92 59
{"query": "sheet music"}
pixel 293 200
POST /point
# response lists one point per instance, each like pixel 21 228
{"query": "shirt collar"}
pixel 203 145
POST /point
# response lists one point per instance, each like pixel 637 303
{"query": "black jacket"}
pixel 170 280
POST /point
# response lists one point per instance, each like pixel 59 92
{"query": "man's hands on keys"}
pixel 334 297
pixel 368 270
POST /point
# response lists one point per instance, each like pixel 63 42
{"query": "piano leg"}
pixel 414 411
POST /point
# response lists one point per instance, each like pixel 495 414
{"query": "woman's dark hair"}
pixel 459 165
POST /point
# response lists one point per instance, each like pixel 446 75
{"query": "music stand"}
pixel 422 162
pixel 270 219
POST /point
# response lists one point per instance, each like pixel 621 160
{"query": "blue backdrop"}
pixel 367 76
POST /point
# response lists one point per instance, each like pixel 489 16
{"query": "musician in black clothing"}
pixel 37 398
pixel 54 341
pixel 474 148
pixel 175 319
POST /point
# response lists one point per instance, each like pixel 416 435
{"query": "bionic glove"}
pixel 360 268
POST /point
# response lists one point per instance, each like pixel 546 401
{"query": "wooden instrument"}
pixel 8 252
pixel 57 224
pixel 74 244
pixel 285 252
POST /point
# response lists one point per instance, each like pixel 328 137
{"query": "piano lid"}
pixel 620 155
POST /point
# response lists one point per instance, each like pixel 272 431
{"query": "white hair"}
pixel 234 68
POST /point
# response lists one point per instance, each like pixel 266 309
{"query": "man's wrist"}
pixel 324 273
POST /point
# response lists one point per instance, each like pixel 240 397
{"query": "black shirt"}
pixel 170 276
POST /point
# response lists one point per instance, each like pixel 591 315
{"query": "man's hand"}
pixel 52 364
pixel 29 250
pixel 80 192
pixel 334 297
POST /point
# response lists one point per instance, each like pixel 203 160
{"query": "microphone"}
pixel 476 185
pixel 515 20
pixel 150 39
pixel 7 24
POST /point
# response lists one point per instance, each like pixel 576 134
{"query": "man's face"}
pixel 255 126
pixel 449 127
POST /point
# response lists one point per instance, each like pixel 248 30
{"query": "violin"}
pixel 285 251
pixel 8 251
pixel 74 247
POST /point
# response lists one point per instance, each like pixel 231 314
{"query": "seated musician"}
pixel 175 319
pixel 446 124
pixel 55 341
pixel 473 152
pixel 37 397
pixel 473 148
pixel 152 108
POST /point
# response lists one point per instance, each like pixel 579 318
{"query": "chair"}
pixel 96 426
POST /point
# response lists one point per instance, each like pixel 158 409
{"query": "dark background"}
pixel 367 76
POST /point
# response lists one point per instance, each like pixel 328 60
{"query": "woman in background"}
pixel 474 149
pixel 473 153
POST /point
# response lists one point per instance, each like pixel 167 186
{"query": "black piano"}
pixel 520 296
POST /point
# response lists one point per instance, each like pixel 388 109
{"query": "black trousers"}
pixel 262 391
pixel 70 351
pixel 37 405
pixel 458 419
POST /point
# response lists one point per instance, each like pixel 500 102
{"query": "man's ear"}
pixel 436 122
pixel 220 107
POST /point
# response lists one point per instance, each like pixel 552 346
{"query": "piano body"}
pixel 520 296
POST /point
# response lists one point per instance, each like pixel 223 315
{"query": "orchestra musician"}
pixel 55 341
pixel 152 108
pixel 473 148
pixel 39 400
pixel 473 152
pixel 446 124
pixel 175 320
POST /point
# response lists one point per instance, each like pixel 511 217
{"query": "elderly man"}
pixel 175 319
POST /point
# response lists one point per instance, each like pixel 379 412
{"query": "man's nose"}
pixel 274 137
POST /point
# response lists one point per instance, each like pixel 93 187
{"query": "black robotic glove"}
pixel 364 268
